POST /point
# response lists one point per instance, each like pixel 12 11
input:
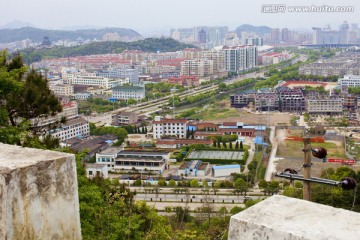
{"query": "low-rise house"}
pixel 142 161
pixel 93 170
pixel 124 118
pixel 93 144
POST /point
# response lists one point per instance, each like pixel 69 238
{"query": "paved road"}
pixel 271 167
pixel 192 206
pixel 251 154
pixel 192 198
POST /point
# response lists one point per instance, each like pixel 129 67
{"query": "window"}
pixel 90 173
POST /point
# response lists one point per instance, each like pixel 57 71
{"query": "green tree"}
pixel 194 183
pixel 24 95
pixel 172 183
pixel 237 145
pixel 241 145
pixel 263 184
pixel 161 183
pixel 131 101
pixel 236 210
pixel 205 184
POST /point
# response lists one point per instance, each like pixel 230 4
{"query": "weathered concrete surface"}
pixel 284 218
pixel 38 194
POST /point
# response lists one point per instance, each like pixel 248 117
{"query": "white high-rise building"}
pixel 240 58
pixel 197 67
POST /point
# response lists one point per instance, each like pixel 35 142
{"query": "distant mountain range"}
pixel 36 34
pixel 16 24
pixel 261 30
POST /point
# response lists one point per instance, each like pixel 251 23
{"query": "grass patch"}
pixel 216 111
pixel 294 149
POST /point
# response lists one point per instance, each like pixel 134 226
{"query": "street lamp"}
pixel 173 90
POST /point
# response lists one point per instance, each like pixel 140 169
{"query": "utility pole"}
pixel 307 168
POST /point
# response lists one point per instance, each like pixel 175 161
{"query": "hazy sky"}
pixel 149 15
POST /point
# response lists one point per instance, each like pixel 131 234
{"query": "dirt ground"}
pixel 292 156
pixel 256 118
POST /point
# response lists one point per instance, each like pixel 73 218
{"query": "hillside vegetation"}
pixel 31 55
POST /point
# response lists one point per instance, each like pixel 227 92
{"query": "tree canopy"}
pixel 24 97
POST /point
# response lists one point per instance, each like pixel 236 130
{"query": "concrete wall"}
pixel 38 194
pixel 285 218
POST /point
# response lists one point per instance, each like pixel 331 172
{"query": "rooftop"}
pixel 226 166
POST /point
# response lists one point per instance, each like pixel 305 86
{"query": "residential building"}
pixel 267 102
pixel 197 67
pixel 169 127
pixel 275 35
pixel 128 92
pixel 188 81
pixel 329 36
pixel 242 99
pixel 240 58
pixel 218 58
pixel 73 128
pixel 326 69
pixel 330 106
pixel 124 118
pixel 349 81
pixel 291 100
pixel 158 69
pixel 143 162
pixel 62 89
pixel 192 53
pixel 254 41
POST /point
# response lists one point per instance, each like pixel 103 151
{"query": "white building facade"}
pixel 169 127
pixel 62 89
pixel 127 92
pixel 349 81
pixel 325 106
pixel 77 127
pixel 240 58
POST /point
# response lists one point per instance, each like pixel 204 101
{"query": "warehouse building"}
pixel 225 170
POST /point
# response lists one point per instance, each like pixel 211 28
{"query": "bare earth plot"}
pixel 254 118
pixel 293 157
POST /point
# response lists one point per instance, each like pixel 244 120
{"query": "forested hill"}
pixel 31 55
pixel 36 34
